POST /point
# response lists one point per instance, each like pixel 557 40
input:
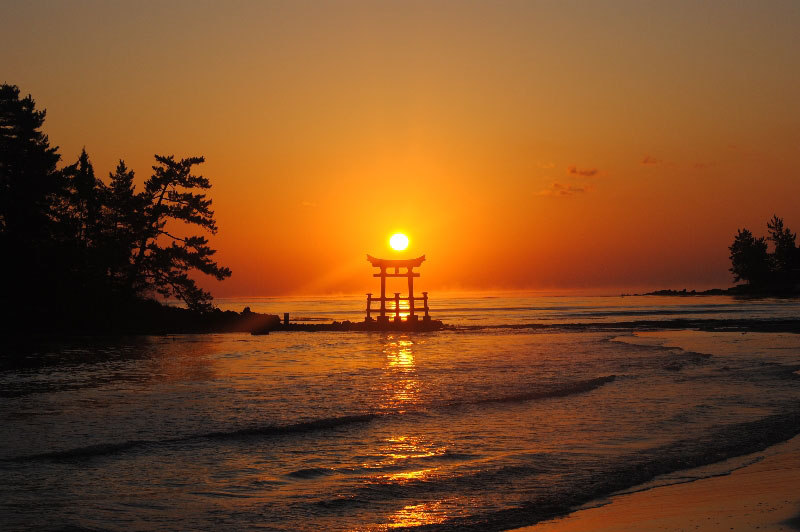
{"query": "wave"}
pixel 790 325
pixel 589 311
pixel 398 465
pixel 581 486
pixel 103 449
pixel 277 430
pixel 560 391
pixel 92 451
pixel 658 312
pixel 312 472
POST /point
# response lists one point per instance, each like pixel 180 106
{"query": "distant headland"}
pixel 761 272
pixel 738 290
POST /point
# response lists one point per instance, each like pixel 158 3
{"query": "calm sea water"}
pixel 482 428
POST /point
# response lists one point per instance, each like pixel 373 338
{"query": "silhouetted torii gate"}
pixel 409 265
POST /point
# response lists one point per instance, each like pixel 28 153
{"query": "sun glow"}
pixel 398 241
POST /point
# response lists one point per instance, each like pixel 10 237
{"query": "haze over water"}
pixel 481 427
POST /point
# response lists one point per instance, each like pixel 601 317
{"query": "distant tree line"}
pixel 72 245
pixel 763 270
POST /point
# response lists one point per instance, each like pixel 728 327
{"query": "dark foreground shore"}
pixel 136 318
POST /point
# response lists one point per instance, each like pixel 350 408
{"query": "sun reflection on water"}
pixel 399 352
pixel 406 447
pixel 407 455
pixel 408 476
pixel 428 513
pixel 401 386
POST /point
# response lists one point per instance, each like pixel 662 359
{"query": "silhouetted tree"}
pixel 749 259
pixel 28 174
pixel 777 271
pixel 124 223
pixel 85 197
pixel 164 259
pixel 74 249
pixel 784 258
pixel 30 183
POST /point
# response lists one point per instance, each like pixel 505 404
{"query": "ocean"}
pixel 492 425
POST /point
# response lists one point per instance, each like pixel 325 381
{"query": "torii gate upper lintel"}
pixel 397 264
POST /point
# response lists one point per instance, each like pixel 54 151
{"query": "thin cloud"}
pixel 738 148
pixel 306 203
pixel 745 151
pixel 562 190
pixel 546 165
pixel 582 172
pixel 651 161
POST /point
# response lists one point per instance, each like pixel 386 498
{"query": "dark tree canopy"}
pixel 784 262
pixel 30 191
pixel 124 216
pixel 77 246
pixel 752 263
pixel 28 174
pixel 163 259
pixel 749 259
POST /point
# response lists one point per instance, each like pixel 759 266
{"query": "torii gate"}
pixel 409 264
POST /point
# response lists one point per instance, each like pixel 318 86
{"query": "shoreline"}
pixel 741 291
pixel 759 495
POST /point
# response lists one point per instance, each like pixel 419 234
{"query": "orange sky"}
pixel 590 146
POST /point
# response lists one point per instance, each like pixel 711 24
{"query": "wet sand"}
pixel 764 495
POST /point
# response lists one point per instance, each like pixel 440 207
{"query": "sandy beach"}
pixel 764 495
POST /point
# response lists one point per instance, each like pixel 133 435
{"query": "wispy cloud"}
pixel 738 148
pixel 562 190
pixel 651 161
pixel 582 172
pixel 546 164
pixel 306 203
pixel 746 151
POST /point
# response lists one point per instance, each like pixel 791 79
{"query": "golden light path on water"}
pixel 402 390
pixel 401 385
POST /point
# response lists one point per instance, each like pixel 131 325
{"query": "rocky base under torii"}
pixel 372 325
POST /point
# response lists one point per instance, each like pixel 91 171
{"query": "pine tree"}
pixel 749 259
pixel 164 259
pixel 784 257
pixel 30 257
pixel 85 197
pixel 28 174
pixel 123 220
pixel 74 250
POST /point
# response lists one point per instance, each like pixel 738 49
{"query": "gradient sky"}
pixel 589 146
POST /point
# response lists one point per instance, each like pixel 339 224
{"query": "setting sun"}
pixel 398 242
